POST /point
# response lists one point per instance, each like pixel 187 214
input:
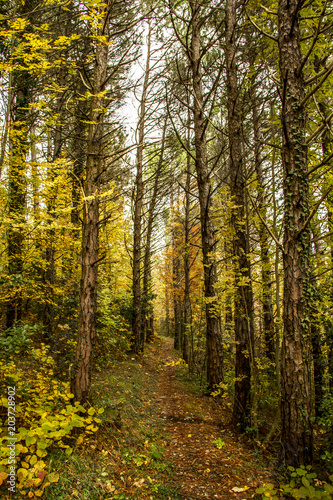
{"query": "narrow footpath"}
pixel 210 462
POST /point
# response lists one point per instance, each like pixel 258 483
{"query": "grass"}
pixel 124 459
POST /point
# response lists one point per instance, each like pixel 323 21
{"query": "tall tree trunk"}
pixel 317 354
pixel 148 322
pixel 176 277
pixel 243 293
pixel 4 136
pixel 20 96
pixel 64 21
pixel 187 303
pixel 50 272
pixel 266 266
pixel 297 435
pixel 208 236
pixel 137 298
pixel 90 224
pixel 167 311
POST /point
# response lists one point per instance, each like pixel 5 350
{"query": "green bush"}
pixel 39 415
pixel 16 340
pixel 304 484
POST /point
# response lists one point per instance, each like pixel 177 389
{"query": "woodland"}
pixel 165 197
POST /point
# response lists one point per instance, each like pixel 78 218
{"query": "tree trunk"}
pixel 213 319
pixel 90 225
pixel 137 341
pixel 317 354
pixel 266 266
pixel 187 303
pixel 243 292
pixel 20 97
pixel 148 323
pixel 176 278
pixel 297 436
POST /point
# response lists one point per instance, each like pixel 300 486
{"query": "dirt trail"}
pixel 193 423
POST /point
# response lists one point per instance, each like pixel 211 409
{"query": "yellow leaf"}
pixel 53 477
pixel 39 493
pixel 22 473
pixel 79 440
pixel 3 476
pixel 30 494
pixel 41 453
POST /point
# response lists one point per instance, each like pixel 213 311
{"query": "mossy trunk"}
pixel 297 436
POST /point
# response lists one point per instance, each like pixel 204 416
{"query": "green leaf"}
pixel 77 423
pixel 302 492
pixel 47 427
pixel 30 440
pixel 305 482
pixel 42 445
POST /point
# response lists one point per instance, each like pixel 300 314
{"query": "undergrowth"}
pixel 124 459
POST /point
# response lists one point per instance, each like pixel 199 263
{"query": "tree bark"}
pixel 266 266
pixel 20 97
pixel 187 300
pixel 317 354
pixel 176 277
pixel 208 235
pixel 297 435
pixel 148 321
pixel 137 341
pixel 243 293
pixel 90 224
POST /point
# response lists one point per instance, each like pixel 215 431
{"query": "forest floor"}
pixel 210 462
pixel 160 439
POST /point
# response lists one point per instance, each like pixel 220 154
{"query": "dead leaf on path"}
pixel 139 483
pixel 238 490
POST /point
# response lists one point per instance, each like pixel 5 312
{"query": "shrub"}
pixel 304 484
pixel 44 420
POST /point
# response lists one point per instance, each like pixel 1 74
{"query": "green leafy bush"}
pixel 44 420
pixel 17 339
pixel 304 484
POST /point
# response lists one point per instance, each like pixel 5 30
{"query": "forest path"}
pixel 193 422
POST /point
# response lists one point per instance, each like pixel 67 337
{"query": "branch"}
pixel 321 164
pixel 315 38
pixel 177 134
pixel 317 75
pixel 84 83
pixel 313 212
pixel 268 11
pixel 320 128
pixel 270 144
pixel 328 72
pixel 98 260
pixel 266 226
pixel 259 29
